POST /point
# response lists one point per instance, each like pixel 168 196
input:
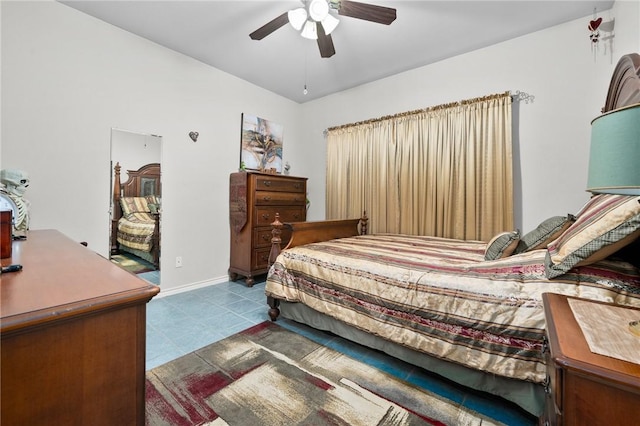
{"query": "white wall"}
pixel 67 79
pixel 556 65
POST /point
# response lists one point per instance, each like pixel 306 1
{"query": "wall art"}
pixel 261 144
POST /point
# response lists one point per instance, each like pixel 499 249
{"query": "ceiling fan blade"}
pixel 368 12
pixel 269 27
pixel 325 42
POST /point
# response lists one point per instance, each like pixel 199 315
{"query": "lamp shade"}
pixel 309 30
pixel 318 9
pixel 297 17
pixel 614 160
pixel 329 23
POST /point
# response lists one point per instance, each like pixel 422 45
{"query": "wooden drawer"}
pixel 261 258
pixel 262 237
pixel 275 183
pixel 266 215
pixel 270 198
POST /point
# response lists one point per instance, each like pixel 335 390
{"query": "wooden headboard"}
pixel 624 88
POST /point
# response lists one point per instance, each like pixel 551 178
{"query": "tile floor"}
pixel 182 323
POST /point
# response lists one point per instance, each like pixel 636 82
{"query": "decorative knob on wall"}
pixel 194 136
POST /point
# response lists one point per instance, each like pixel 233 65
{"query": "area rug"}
pixel 268 375
pixel 135 266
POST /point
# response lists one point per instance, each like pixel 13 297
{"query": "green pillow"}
pixel 502 245
pixel 544 233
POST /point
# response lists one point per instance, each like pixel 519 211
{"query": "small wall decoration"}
pixel 261 144
pixel 194 136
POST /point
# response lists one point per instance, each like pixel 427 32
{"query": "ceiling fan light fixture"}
pixel 310 31
pixel 329 23
pixel 297 18
pixel 318 10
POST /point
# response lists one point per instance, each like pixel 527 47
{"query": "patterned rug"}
pixel 131 264
pixel 268 375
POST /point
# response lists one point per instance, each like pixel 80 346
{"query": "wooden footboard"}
pixel 307 233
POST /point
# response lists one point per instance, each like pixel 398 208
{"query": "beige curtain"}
pixel 444 171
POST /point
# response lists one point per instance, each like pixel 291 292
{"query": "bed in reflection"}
pixel 135 223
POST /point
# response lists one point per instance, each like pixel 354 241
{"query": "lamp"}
pixel 329 23
pixel 297 17
pixel 310 31
pixel 614 163
pixel 318 10
pixel 305 19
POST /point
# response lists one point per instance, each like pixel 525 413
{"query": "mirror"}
pixel 136 203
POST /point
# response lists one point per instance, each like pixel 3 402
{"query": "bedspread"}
pixel 440 297
pixel 136 230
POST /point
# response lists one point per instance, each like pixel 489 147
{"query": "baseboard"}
pixel 192 286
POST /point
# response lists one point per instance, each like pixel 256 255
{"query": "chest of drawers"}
pixel 254 199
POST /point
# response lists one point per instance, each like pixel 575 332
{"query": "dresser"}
pixel 73 329
pixel 254 200
pixel 585 388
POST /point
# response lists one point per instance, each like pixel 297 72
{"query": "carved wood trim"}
pixel 624 88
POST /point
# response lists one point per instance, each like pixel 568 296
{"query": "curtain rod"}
pixel 516 96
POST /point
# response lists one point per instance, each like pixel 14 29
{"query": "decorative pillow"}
pixel 603 226
pixel 502 245
pixel 134 205
pixel 153 199
pixel 545 233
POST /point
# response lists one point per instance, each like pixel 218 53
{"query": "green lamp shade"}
pixel 614 163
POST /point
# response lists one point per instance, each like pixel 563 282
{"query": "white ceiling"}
pixel 217 33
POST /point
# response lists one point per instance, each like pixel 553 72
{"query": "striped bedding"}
pixel 440 297
pixel 135 230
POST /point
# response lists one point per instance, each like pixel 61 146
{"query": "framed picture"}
pixel 261 144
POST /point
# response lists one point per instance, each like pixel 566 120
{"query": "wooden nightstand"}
pixel 585 388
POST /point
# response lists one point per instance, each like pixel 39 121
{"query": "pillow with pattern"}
pixel 134 205
pixel 603 226
pixel 502 245
pixel 544 233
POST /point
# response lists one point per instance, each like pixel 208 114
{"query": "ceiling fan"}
pixel 316 22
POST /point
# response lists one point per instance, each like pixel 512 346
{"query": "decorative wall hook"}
pixel 194 136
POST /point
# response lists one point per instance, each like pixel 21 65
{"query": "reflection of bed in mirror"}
pixel 135 224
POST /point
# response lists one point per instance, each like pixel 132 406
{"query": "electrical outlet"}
pixel 179 262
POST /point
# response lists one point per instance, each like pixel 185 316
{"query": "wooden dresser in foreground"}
pixel 585 388
pixel 254 200
pixel 73 329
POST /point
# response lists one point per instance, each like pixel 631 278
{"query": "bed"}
pixel 470 311
pixel 135 223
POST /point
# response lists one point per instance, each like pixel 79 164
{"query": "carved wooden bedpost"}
pixel 276 247
pixel 116 211
pixel 363 223
pixel 276 239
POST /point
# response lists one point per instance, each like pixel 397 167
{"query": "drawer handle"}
pixel 297 185
pixel 267 183
pixel 266 216
pixel 266 198
pixel 296 215
pixel 265 237
pixel 264 257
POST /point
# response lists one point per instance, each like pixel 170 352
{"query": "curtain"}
pixel 444 171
